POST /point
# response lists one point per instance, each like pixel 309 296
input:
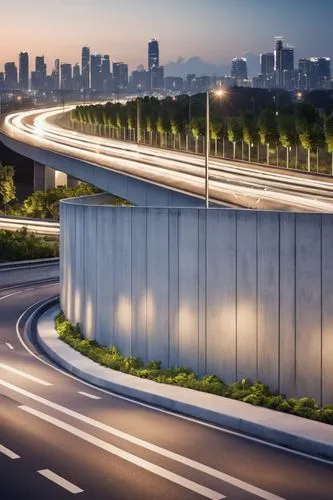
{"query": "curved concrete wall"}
pixel 234 293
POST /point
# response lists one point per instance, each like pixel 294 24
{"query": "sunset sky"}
pixel 215 30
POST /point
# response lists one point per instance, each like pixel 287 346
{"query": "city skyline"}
pixel 217 22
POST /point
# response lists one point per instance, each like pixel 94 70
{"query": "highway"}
pixel 232 184
pixel 38 226
pixel 62 437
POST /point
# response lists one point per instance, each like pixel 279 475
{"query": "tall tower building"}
pixel 267 64
pixel 40 73
pixel 85 67
pixel 96 72
pixel 11 75
pixel 283 64
pixel 153 54
pixel 66 76
pixel 24 71
pixel 239 68
pixel 120 75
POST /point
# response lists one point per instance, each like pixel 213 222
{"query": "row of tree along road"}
pixel 246 124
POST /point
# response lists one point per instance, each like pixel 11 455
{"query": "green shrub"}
pixel 254 393
pixel 21 245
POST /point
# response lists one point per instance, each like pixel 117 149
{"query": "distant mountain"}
pixel 196 65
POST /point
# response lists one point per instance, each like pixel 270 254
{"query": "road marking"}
pixel 186 418
pixel 60 481
pixel 265 495
pixel 8 453
pixel 11 295
pixel 24 375
pixel 129 457
pixel 9 345
pixel 87 395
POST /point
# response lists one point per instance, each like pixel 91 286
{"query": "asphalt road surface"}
pixel 61 437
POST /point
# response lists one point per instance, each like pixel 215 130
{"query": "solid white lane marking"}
pixel 139 462
pixel 265 495
pixel 186 418
pixel 87 395
pixel 8 453
pixel 9 345
pixel 60 481
pixel 11 295
pixel 24 375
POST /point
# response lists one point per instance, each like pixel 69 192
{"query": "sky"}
pixel 215 30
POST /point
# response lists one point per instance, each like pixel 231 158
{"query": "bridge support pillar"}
pixel 47 178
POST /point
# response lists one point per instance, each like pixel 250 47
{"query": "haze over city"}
pixel 207 29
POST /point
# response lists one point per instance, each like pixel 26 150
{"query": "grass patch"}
pixel 256 393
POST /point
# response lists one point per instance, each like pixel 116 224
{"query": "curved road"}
pixel 233 183
pixel 62 437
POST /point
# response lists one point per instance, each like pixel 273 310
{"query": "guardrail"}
pixel 39 226
pixel 16 273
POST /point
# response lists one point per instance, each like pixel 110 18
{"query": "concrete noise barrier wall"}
pixel 230 292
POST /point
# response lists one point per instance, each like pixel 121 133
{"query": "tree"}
pixel 268 130
pixel 250 130
pixel 197 130
pixel 7 186
pixel 308 125
pixel 287 132
pixel 234 132
pixel 215 127
pixel 328 128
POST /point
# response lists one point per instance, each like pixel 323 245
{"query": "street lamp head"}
pixel 220 93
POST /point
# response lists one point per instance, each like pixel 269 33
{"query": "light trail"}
pixel 239 185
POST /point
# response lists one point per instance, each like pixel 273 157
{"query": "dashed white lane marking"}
pixel 124 455
pixel 24 375
pixel 238 483
pixel 87 395
pixel 60 481
pixel 9 345
pixel 8 453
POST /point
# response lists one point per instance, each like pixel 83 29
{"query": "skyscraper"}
pixel 96 72
pixel 85 65
pixel 38 77
pixel 56 75
pixel 120 75
pixel 11 76
pixel 239 68
pixel 77 80
pixel 267 64
pixel 153 54
pixel 283 64
pixel 24 71
pixel 66 76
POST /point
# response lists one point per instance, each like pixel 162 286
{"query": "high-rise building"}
pixel 96 72
pixel 106 73
pixel 239 68
pixel 267 64
pixel 2 80
pixel 153 54
pixel 77 79
pixel 283 64
pixel 56 75
pixel 38 77
pixel 120 75
pixel 314 73
pixel 24 71
pixel 157 77
pixel 85 65
pixel 11 76
pixel 139 80
pixel 66 76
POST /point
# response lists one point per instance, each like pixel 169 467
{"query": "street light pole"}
pixel 207 150
pixel 138 138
